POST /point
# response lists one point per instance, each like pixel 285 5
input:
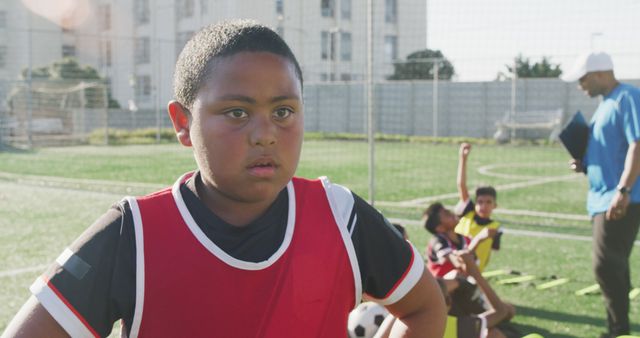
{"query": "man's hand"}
pixel 576 165
pixel 618 207
pixel 465 149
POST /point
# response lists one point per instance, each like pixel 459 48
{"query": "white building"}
pixel 134 43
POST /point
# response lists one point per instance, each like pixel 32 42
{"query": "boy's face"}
pixel 448 220
pixel 247 126
pixel 485 205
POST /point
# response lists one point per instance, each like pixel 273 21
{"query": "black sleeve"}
pixel 383 254
pixel 97 276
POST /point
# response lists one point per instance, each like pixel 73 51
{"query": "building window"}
pixel 324 45
pixel 345 77
pixel 143 87
pixel 181 40
pixel 68 51
pixel 3 56
pixel 332 46
pixel 142 50
pixel 390 11
pixel 324 77
pixel 141 10
pixel 184 8
pixel 327 7
pixel 390 48
pixel 345 9
pixel 107 53
pixel 279 6
pixel 345 46
pixel 3 19
pixel 105 17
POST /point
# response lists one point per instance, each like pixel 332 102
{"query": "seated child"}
pixel 441 222
pixel 486 324
pixel 475 217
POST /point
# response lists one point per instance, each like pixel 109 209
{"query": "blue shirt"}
pixel 614 125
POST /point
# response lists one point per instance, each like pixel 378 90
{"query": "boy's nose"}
pixel 263 131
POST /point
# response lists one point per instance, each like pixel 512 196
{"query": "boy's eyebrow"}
pixel 234 97
pixel 247 99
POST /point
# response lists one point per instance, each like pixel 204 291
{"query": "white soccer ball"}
pixel 365 320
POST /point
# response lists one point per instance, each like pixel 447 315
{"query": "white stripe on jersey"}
pixel 137 223
pixel 221 254
pixel 410 280
pixel 341 202
pixel 59 310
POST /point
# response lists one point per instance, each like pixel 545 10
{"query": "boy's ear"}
pixel 180 118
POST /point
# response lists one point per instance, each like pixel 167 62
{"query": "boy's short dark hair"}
pixel 226 38
pixel 432 215
pixel 486 191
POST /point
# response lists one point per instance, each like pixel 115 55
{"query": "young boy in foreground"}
pixel 239 247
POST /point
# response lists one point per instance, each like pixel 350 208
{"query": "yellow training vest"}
pixel 467 226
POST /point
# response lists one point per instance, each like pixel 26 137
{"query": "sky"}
pixel 481 36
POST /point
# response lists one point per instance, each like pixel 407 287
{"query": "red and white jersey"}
pixel 187 286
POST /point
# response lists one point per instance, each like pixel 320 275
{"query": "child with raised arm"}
pixel 475 219
pixel 239 247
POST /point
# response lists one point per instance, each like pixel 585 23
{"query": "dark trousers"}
pixel 612 244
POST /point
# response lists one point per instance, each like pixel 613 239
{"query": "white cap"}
pixel 587 63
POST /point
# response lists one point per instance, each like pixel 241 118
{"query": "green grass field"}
pixel 48 196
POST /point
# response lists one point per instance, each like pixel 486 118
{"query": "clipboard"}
pixel 575 136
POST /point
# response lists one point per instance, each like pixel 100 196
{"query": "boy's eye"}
pixel 282 113
pixel 236 113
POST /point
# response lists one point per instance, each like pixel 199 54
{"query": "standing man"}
pixel 612 163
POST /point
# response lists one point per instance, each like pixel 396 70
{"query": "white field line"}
pixel 528 182
pixel 516 232
pixel 15 272
pixel 81 184
pixel 423 201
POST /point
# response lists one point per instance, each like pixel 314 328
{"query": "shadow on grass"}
pixel 559 317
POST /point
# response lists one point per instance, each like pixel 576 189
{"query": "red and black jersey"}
pixel 316 236
pixel 440 246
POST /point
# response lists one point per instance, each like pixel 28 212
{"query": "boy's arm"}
pixel 482 236
pixel 33 320
pixel 501 311
pixel 463 193
pixel 421 312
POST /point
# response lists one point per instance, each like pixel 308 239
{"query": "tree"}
pixel 68 69
pixel 419 65
pixel 524 68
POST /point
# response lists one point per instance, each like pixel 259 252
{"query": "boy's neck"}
pixel 234 213
pixel 452 235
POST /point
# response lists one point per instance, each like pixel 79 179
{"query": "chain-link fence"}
pixel 63 82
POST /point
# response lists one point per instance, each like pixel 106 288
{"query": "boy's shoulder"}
pixel 465 208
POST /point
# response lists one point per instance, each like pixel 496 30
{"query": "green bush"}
pixel 137 136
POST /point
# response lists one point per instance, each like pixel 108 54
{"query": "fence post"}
pixel 370 122
pixel 514 80
pixel 436 65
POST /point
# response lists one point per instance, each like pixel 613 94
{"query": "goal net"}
pixel 48 112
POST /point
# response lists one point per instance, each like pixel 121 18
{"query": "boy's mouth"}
pixel 262 168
